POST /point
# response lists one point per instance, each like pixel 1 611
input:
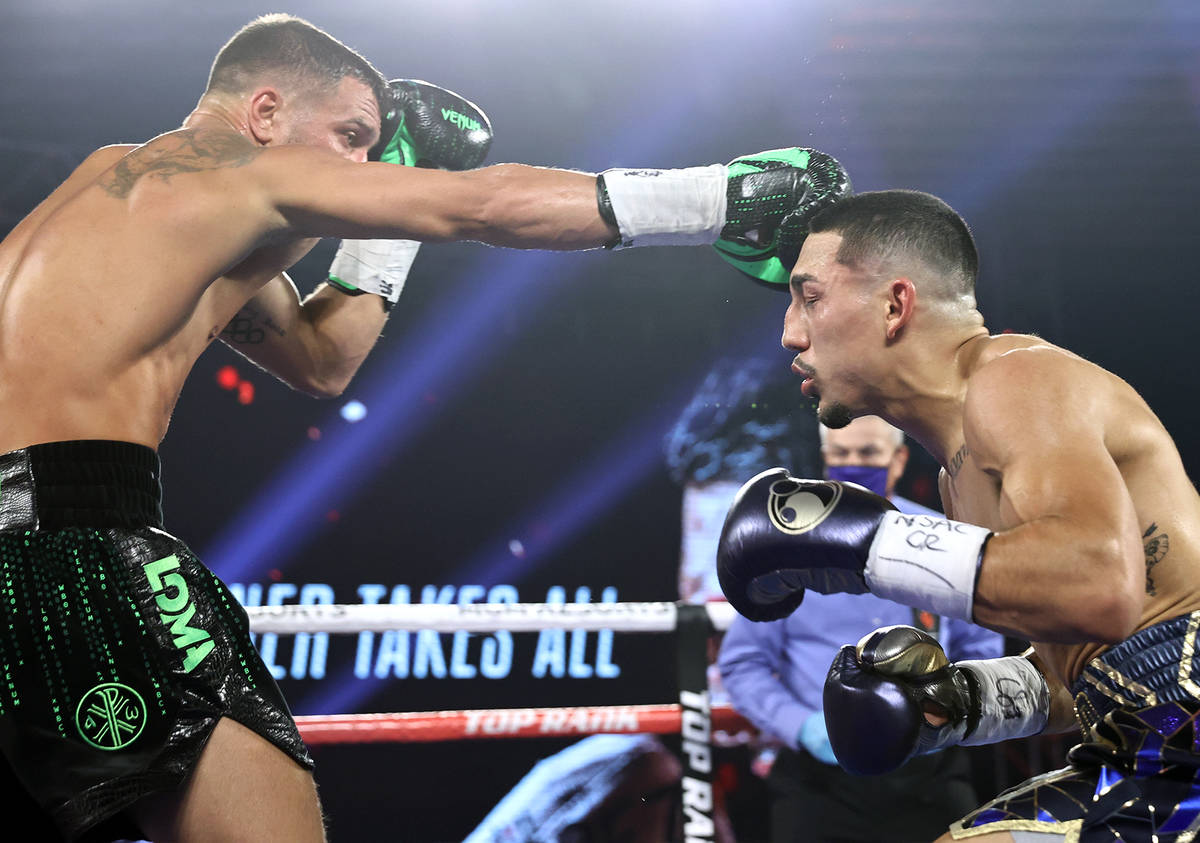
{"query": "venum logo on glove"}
pixel 797 506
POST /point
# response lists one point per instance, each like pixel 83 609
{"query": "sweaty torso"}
pixel 1166 503
pixel 115 284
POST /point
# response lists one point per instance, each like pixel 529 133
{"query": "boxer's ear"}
pixel 262 115
pixel 901 305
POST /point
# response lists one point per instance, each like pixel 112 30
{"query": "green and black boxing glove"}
pixel 772 198
pixel 755 210
pixel 425 126
pixel 429 126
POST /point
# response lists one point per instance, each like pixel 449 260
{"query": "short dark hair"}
pixel 286 43
pixel 880 225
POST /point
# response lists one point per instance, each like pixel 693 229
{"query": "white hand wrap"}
pixel 1014 699
pixel 373 266
pixel 926 562
pixel 668 207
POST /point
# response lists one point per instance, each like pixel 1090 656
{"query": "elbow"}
pixel 327 371
pixel 1112 608
pixel 317 385
pixel 1111 619
pixel 326 388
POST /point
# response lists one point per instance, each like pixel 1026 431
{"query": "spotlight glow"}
pixel 353 411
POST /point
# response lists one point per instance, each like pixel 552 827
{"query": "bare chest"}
pixel 973 494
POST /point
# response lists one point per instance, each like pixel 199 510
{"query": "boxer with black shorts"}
pixel 133 702
pixel 1070 522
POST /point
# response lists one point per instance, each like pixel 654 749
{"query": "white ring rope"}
pixel 476 617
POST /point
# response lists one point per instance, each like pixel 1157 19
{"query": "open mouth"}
pixel 808 386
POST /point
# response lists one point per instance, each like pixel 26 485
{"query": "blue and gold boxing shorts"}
pixel 1136 774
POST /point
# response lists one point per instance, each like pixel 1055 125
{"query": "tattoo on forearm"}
pixel 184 152
pixel 957 460
pixel 1156 548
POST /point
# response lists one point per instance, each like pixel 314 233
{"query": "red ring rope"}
pixel 428 726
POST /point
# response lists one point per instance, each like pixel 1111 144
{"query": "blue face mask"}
pixel 868 476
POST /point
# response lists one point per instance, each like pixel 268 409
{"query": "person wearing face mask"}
pixel 774 674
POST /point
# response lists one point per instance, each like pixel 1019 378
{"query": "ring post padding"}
pixel 693 628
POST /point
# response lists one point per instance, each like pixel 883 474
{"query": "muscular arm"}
pixel 1067 564
pixel 315 193
pixel 315 346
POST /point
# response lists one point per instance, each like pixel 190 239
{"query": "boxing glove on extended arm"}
pixel 876 695
pixel 755 210
pixel 426 126
pixel 784 535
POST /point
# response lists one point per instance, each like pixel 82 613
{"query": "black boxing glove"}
pixel 429 126
pixel 784 534
pixel 425 126
pixel 876 695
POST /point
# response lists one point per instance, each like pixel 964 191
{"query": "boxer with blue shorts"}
pixel 1070 522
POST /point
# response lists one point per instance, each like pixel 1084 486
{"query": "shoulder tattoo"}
pixel 185 152
pixel 1156 548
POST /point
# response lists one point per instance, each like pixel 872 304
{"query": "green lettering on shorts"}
pixel 110 716
pixel 177 610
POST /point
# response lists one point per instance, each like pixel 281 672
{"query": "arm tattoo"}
pixel 957 460
pixel 1156 549
pixel 250 327
pixel 185 152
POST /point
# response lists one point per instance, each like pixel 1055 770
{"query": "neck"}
pixel 211 113
pixel 927 399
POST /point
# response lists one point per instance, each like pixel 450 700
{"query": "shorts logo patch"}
pixel 110 716
pixel 176 609
pixel 796 506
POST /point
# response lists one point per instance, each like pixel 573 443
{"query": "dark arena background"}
pixel 505 442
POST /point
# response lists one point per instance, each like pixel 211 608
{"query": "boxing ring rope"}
pixel 694 718
pixel 480 617
pixel 410 727
pixel 425 727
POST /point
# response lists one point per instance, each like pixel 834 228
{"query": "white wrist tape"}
pixel 373 266
pixel 926 562
pixel 1013 696
pixel 668 207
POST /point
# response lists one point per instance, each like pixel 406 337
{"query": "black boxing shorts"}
pixel 120 650
pixel 1136 774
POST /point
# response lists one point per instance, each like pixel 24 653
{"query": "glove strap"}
pixel 1014 699
pixel 927 562
pixel 373 266
pixel 665 207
